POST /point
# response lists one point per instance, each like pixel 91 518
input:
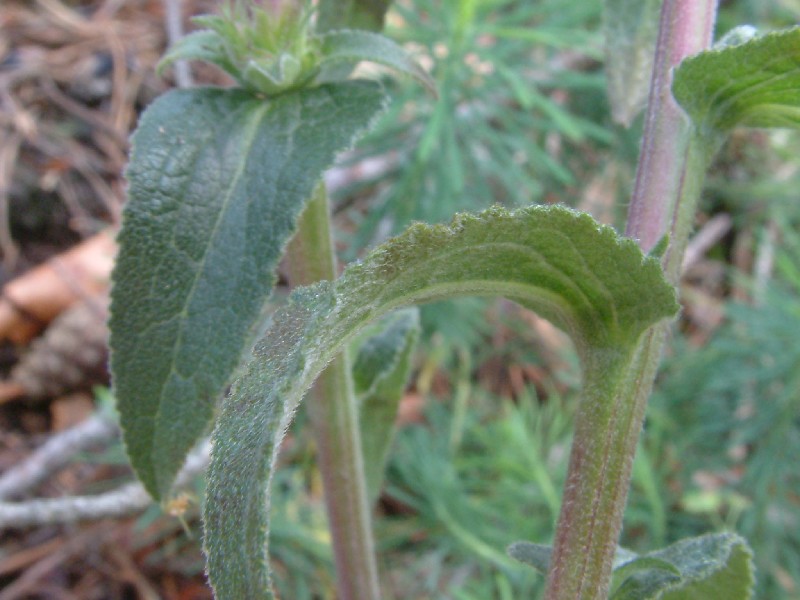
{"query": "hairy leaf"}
pixel 217 181
pixel 755 83
pixel 351 47
pixel 380 374
pixel 711 566
pixel 637 565
pixel 537 556
pixel 631 29
pixel 580 275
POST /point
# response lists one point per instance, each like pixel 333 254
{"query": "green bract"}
pixel 264 52
pixel 562 264
pixel 273 54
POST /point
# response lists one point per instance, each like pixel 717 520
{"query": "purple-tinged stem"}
pixel 686 27
pixel 610 417
pixel 334 419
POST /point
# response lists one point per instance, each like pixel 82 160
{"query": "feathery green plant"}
pixel 483 139
pixel 736 402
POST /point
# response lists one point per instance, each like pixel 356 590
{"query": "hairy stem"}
pixel 607 428
pixel 685 29
pixel 668 183
pixel 334 418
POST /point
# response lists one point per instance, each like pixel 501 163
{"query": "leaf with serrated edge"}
pixel 380 374
pixel 580 275
pixel 217 181
pixel 754 84
pixel 631 29
pixel 710 566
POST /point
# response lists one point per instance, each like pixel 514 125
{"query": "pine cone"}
pixel 71 354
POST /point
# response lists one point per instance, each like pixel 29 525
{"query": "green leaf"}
pixel 582 276
pixel 538 556
pixel 755 83
pixel 351 14
pixel 534 555
pixel 661 247
pixel 637 566
pixel 217 181
pixel 710 566
pixel 631 29
pixel 380 374
pixel 350 47
pixel 199 45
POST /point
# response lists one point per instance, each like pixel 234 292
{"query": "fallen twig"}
pixel 55 454
pixel 125 500
pixel 710 233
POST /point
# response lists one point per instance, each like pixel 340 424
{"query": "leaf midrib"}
pixel 258 115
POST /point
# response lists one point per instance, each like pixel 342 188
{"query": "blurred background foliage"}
pixel 502 129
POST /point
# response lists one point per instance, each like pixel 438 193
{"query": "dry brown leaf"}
pixel 35 298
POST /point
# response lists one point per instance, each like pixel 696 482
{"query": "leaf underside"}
pixel 754 84
pixel 582 276
pixel 217 179
pixel 710 566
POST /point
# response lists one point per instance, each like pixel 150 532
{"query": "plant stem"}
pixel 668 183
pixel 685 29
pixel 334 418
pixel 607 427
